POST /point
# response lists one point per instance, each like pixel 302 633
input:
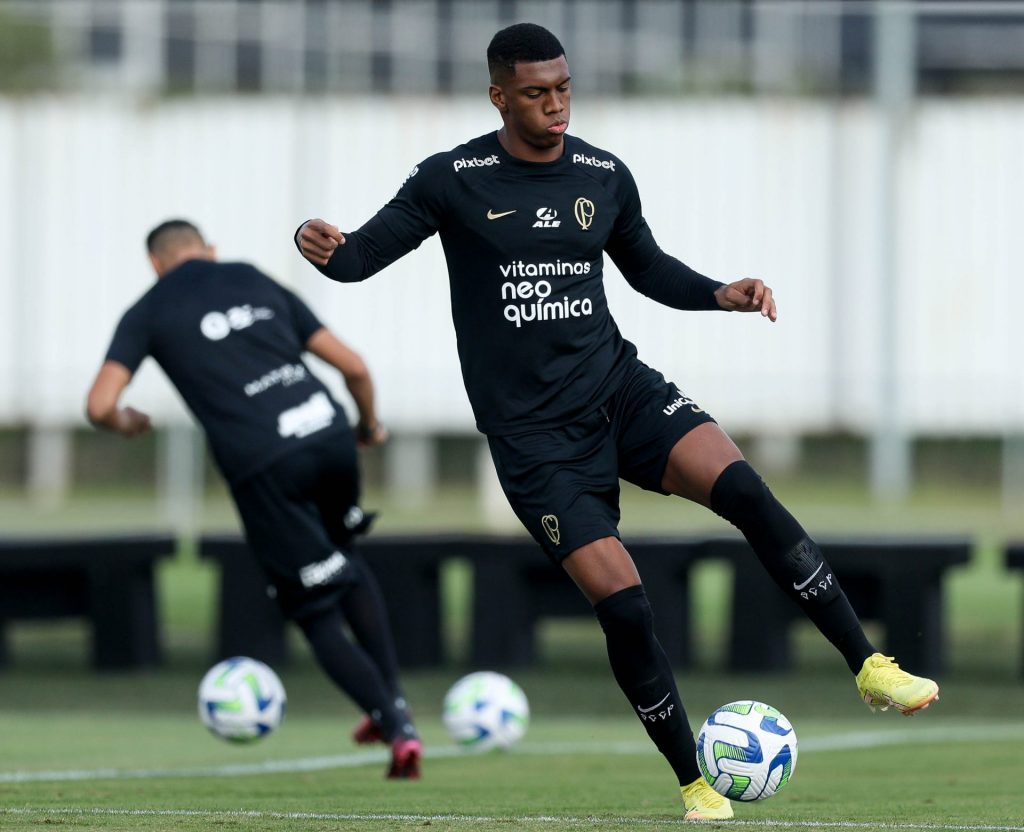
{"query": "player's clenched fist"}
pixel 317 240
pixel 131 422
pixel 747 295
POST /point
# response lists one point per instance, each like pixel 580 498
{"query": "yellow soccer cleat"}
pixel 703 803
pixel 882 683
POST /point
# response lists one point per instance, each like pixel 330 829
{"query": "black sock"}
pixel 643 672
pixel 367 617
pixel 352 670
pixel 791 558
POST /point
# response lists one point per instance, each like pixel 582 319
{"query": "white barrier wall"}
pixel 787 191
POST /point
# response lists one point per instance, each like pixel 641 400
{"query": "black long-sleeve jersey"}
pixel 524 243
pixel 231 340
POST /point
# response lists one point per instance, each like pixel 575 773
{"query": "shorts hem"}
pixel 577 542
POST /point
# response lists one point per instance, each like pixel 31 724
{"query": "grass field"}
pixel 80 750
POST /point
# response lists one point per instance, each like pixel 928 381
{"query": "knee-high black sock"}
pixel 352 670
pixel 367 618
pixel 792 559
pixel 643 672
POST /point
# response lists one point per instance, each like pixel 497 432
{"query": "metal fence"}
pixel 617 47
pixel 883 214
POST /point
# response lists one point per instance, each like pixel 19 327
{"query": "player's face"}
pixel 536 102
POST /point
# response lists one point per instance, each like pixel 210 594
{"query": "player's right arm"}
pixel 103 403
pixel 350 258
pixel 413 215
pixel 128 348
pixel 317 239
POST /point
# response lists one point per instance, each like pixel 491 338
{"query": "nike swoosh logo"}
pixel 798 587
pixel 648 710
pixel 492 216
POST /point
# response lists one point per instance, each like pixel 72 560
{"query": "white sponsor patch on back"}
pixel 312 415
pixel 322 571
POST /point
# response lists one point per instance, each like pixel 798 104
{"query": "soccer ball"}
pixel 241 699
pixel 486 710
pixel 747 750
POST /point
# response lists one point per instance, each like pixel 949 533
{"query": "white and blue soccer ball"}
pixel 747 750
pixel 486 710
pixel 241 699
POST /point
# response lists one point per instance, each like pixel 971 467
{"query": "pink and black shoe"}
pixel 367 732
pixel 405 759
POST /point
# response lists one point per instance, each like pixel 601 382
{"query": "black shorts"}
pixel 563 483
pixel 299 514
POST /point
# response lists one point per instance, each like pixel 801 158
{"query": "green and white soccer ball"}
pixel 241 699
pixel 486 710
pixel 747 750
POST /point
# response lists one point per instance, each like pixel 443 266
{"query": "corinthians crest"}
pixel 550 524
pixel 584 211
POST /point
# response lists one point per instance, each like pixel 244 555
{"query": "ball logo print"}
pixel 485 711
pixel 241 699
pixel 747 750
pixel 215 326
pixel 218 325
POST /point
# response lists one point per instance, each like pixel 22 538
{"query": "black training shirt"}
pixel 231 340
pixel 524 243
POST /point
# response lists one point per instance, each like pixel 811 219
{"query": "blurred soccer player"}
pixel 525 215
pixel 231 340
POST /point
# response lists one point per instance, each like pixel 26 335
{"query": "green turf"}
pixel 611 777
pixel 962 767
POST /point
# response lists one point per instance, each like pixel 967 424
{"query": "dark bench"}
pixel 407 569
pixel 896 580
pixel 515 585
pixel 1015 560
pixel 108 580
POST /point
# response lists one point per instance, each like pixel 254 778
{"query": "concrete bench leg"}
pixel 503 630
pixel 759 637
pixel 123 617
pixel 412 596
pixel 913 623
pixel 250 622
pixel 669 597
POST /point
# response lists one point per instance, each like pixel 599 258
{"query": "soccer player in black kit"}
pixel 525 215
pixel 231 340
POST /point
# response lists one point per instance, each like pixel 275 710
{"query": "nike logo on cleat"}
pixel 492 216
pixel 798 587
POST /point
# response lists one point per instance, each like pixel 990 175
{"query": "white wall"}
pixel 786 191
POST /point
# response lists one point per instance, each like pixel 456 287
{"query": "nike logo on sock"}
pixel 798 587
pixel 648 710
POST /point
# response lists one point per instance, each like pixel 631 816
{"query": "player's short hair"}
pixel 173 234
pixel 521 43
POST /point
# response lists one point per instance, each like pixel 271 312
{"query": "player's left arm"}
pixel 662 277
pixel 747 295
pixel 103 402
pixel 326 345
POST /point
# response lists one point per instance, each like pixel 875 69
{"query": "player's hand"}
pixel 132 422
pixel 317 240
pixel 370 436
pixel 747 295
